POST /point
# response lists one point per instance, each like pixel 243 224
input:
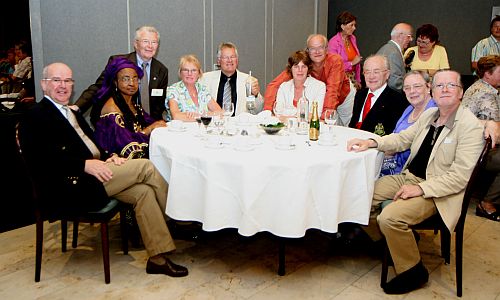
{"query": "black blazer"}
pixel 158 79
pixel 387 110
pixel 56 156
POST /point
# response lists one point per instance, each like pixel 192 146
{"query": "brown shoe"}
pixel 168 268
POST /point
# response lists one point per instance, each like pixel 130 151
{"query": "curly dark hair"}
pixel 430 31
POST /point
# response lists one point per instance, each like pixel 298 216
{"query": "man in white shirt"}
pixel 234 90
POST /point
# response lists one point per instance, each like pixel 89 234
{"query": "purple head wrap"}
pixel 110 72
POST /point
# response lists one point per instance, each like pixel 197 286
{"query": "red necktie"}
pixel 366 109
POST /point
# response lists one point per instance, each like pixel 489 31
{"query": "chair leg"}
pixel 105 251
pixel 64 234
pixel 74 243
pixel 124 231
pixel 39 249
pixel 459 239
pixel 445 245
pixel 385 266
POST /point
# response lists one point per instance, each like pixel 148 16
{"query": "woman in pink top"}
pixel 344 44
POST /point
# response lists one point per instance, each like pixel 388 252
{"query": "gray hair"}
pixel 383 57
pixel 311 36
pixel 226 45
pixel 448 70
pixel 425 76
pixel 141 29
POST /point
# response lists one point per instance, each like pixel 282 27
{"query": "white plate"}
pixel 284 147
pixel 180 129
pixel 214 146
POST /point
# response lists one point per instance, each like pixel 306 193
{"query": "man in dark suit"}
pixel 146 44
pixel 377 103
pixel 73 175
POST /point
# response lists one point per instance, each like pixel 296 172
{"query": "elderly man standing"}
pixel 326 67
pixel 489 45
pixel 445 144
pixel 401 36
pixel 74 175
pixel 155 81
pixel 229 84
pixel 377 104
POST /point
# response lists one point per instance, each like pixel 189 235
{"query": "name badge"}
pixel 157 92
pixel 448 140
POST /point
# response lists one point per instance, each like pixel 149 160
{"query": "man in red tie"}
pixel 377 103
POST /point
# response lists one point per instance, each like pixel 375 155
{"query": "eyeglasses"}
pixel 228 58
pixel 59 81
pixel 375 72
pixel 450 86
pixel 148 42
pixel 408 88
pixel 128 80
pixel 316 49
pixel 419 41
pixel 187 71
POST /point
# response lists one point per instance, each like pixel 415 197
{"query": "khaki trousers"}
pixel 139 183
pixel 394 220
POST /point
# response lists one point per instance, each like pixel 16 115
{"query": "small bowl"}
pixel 272 129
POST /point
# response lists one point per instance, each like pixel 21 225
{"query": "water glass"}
pixel 228 108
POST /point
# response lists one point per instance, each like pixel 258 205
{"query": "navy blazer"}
pixel 387 110
pixel 56 157
pixel 158 79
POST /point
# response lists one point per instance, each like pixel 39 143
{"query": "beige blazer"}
pixel 211 80
pixel 451 161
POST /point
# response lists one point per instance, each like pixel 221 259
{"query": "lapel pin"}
pixel 154 78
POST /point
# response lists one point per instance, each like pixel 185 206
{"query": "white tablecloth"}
pixel 282 192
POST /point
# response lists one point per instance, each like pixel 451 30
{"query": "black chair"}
pixel 103 216
pixel 436 223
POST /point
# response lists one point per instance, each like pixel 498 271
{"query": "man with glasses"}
pixel 401 36
pixel 326 67
pixel 155 81
pixel 229 84
pixel 445 143
pixel 377 105
pixel 489 45
pixel 74 176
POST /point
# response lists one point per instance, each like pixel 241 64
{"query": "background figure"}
pixel 483 100
pixel 428 55
pixel 289 92
pixel 344 44
pixel 188 98
pixel 146 42
pixel 121 125
pixel 489 45
pixel 417 88
pixel 228 59
pixel 401 36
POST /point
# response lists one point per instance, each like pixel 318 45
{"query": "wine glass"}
pixel 228 108
pixel 198 120
pixel 278 108
pixel 330 118
pixel 205 119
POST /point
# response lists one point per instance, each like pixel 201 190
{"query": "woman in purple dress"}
pixel 121 125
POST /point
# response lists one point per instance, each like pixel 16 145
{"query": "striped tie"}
pixel 226 96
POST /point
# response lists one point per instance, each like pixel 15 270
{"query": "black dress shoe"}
pixel 407 281
pixel 168 268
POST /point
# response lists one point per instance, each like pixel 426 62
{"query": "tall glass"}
pixel 228 108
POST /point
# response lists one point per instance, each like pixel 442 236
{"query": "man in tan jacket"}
pixel 445 144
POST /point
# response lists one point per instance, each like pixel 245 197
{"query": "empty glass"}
pixel 228 108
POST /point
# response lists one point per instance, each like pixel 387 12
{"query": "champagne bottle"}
pixel 314 124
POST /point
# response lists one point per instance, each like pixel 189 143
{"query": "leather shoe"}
pixel 168 268
pixel 407 281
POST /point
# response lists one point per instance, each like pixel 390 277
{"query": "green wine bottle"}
pixel 314 124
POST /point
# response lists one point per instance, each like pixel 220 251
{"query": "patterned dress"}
pixel 483 100
pixel 178 92
pixel 112 136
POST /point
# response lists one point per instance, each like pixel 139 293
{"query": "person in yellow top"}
pixel 427 55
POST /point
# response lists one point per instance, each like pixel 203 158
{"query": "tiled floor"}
pixel 225 265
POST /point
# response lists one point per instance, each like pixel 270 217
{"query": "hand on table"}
pixel 358 145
